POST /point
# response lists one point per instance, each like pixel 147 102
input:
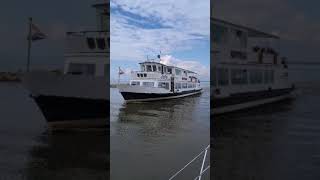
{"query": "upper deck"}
pixel 239 44
pixel 156 70
pixel 84 42
pixel 87 52
pixel 91 42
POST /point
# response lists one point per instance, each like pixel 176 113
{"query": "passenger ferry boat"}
pixel 247 68
pixel 157 81
pixel 80 95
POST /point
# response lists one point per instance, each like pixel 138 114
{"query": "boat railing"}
pixel 203 169
pixel 86 33
pixel 152 72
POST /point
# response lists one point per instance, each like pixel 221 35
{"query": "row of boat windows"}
pixel 164 85
pixel 85 69
pixel 184 85
pixel 225 77
pixel 162 69
pixel 141 75
pixel 100 43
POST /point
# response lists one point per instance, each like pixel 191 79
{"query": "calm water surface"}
pixel 278 141
pixel 153 140
pixel 29 151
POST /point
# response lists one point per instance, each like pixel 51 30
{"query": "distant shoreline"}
pixel 115 85
pixel 9 77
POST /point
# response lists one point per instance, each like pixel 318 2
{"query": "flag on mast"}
pixel 36 33
pixel 120 71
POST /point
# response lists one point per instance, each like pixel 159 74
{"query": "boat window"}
pixel 101 43
pixel 178 72
pixel 138 75
pixel 91 43
pixel 154 67
pixel 272 76
pixel 170 70
pixel 164 69
pixel 178 85
pixel 142 68
pixel 239 76
pixel 144 75
pixel 238 55
pixel 149 69
pixel 159 68
pixel 268 76
pixel 223 76
pixel 148 84
pixel 163 85
pixel 86 69
pixel 255 76
pixel 219 34
pixel 189 85
pixel 184 85
pixel 135 83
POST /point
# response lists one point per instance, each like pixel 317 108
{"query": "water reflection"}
pixel 152 140
pixel 70 155
pixel 156 118
pixel 252 144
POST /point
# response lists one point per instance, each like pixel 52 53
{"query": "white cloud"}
pixel 188 21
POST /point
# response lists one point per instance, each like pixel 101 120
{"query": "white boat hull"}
pixel 140 94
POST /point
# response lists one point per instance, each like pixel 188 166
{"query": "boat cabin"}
pixel 239 44
pixel 155 74
pixel 244 58
pixel 87 52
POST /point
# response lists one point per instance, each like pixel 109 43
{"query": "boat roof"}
pixel 251 31
pixel 153 62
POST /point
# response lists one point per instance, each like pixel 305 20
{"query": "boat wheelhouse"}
pixel 157 81
pixel 78 97
pixel 247 68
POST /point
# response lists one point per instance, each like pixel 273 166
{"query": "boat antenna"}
pixel 159 56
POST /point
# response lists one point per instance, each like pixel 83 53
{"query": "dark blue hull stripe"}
pixel 133 96
pixel 56 108
pixel 248 97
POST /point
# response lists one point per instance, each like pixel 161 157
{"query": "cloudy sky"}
pixel 139 28
pixel 295 21
pixel 179 29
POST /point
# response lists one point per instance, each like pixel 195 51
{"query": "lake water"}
pixel 29 151
pixel 278 141
pixel 153 140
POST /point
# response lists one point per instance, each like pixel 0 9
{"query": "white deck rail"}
pixel 202 169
